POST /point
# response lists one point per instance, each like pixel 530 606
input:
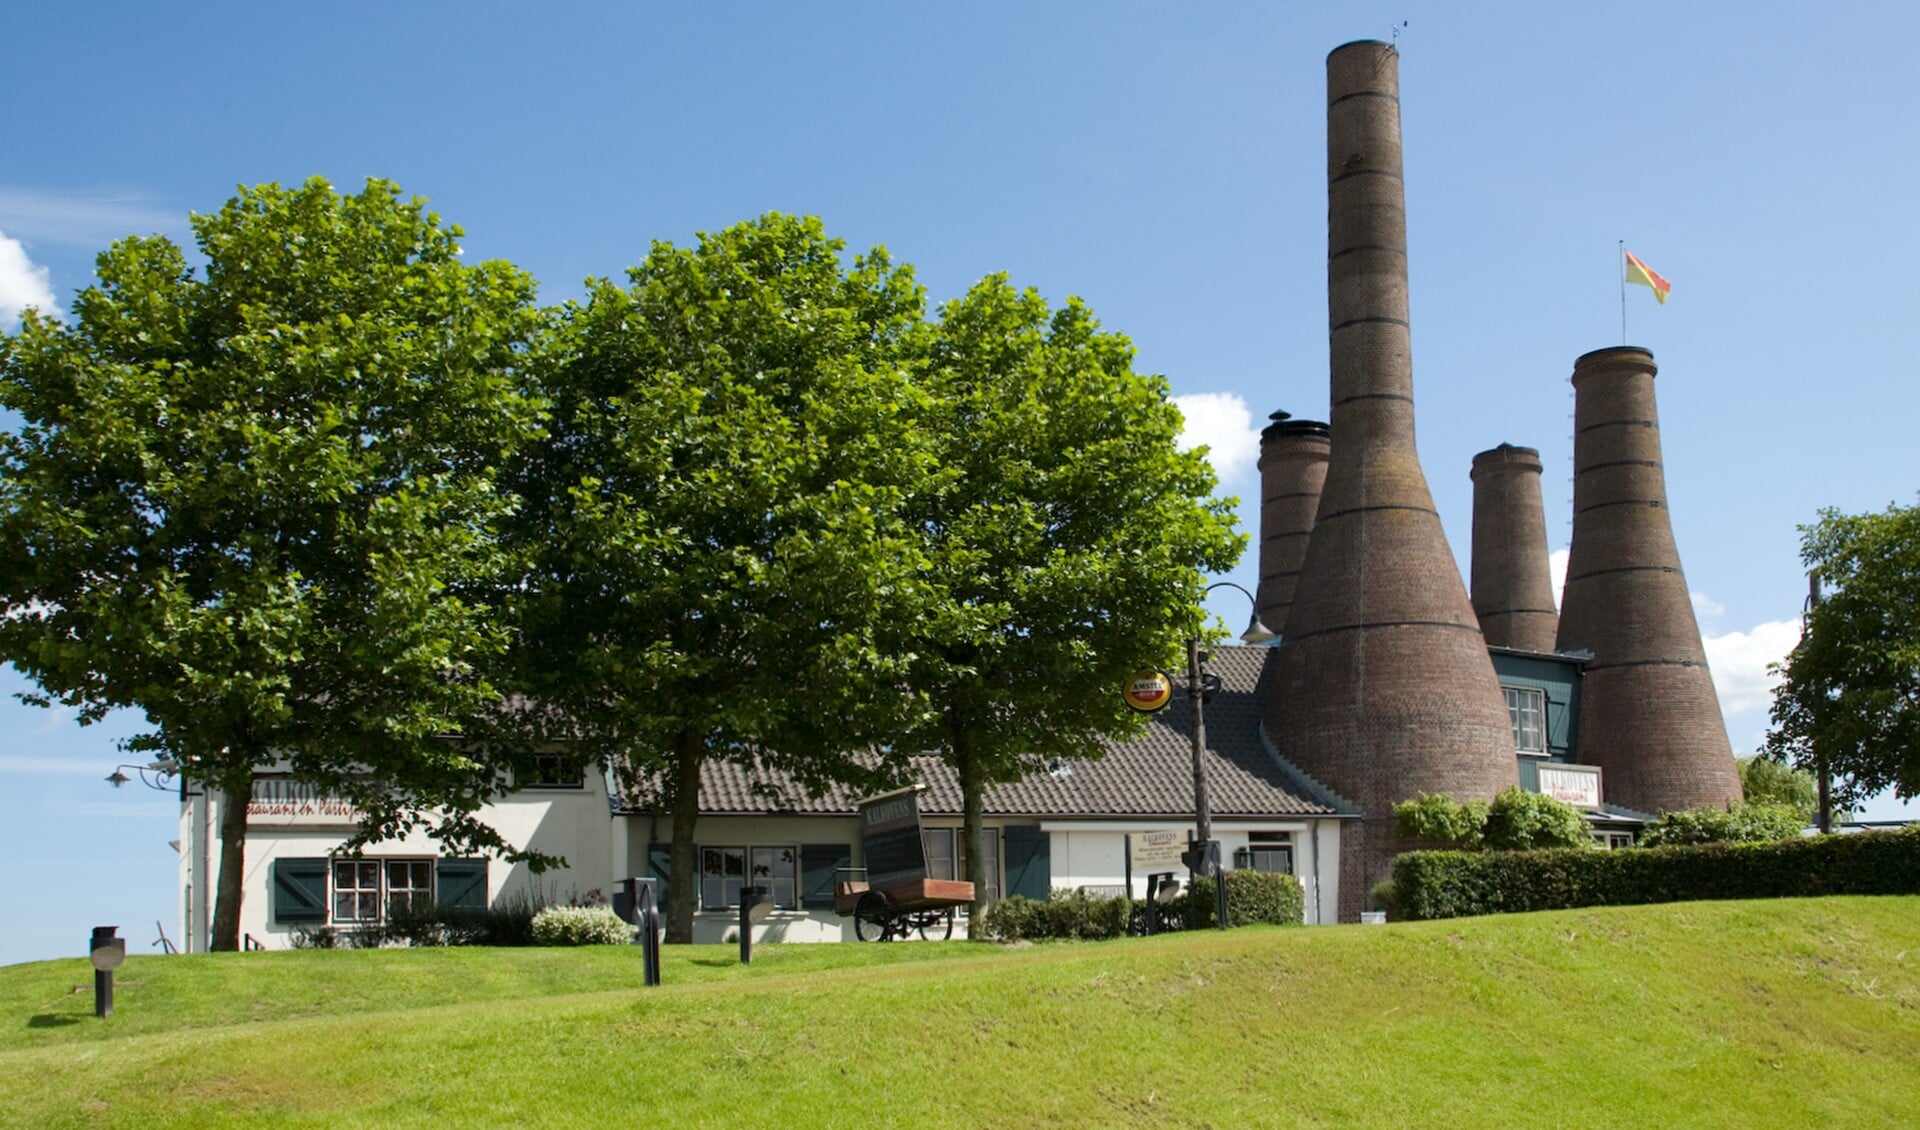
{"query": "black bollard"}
pixel 106 952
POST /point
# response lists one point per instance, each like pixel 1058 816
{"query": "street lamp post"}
pixel 1203 856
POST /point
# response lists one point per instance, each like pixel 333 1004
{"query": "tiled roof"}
pixel 1149 776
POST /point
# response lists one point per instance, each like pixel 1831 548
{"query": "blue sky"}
pixel 1164 162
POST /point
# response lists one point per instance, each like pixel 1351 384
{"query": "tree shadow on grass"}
pixel 49 1020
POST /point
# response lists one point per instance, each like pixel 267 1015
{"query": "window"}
pixel 555 771
pixel 947 856
pixel 1613 841
pixel 1528 708
pixel 1266 851
pixel 364 890
pixel 724 871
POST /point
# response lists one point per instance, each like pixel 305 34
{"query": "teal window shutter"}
pixel 299 890
pixel 660 865
pixel 462 883
pixel 1029 860
pixel 818 862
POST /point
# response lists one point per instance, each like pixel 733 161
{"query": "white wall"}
pixel 1094 854
pixel 571 823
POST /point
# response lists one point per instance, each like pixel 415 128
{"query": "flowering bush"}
pixel 580 926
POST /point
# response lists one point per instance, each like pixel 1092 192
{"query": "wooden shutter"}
pixel 299 890
pixel 1029 860
pixel 818 863
pixel 461 884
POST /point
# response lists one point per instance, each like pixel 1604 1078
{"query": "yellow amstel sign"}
pixel 1148 691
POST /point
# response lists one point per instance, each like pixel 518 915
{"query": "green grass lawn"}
pixel 1788 1013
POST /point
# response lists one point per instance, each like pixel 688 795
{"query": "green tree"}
pixel 1066 535
pixel 253 502
pixel 1740 822
pixel 717 516
pixel 1849 696
pixel 1766 781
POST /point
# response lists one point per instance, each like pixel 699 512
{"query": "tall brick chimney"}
pixel 1512 583
pixel 1293 466
pixel 1382 688
pixel 1648 713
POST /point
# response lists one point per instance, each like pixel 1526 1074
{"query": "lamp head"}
pixel 1258 632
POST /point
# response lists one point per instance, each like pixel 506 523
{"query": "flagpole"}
pixel 1620 265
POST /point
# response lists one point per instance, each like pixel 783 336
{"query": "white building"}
pixel 1061 829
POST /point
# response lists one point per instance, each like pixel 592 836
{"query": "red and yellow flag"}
pixel 1638 272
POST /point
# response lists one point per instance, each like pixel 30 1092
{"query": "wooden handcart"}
pixel 892 896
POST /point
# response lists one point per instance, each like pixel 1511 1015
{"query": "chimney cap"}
pixel 1622 351
pixel 1360 43
pixel 1507 457
pixel 1284 425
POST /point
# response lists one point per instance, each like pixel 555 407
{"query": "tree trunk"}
pixel 236 790
pixel 972 803
pixel 683 880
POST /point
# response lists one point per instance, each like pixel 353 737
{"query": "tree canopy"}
pixel 1065 535
pixel 1849 696
pixel 717 521
pixel 252 500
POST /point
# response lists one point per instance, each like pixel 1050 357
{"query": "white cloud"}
pixel 1705 606
pixel 1739 662
pixel 1557 569
pixel 90 220
pixel 23 283
pixel 1222 423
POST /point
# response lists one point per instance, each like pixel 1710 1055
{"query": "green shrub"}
pixel 1252 896
pixel 1440 819
pixel 1067 915
pixel 1739 823
pixel 580 926
pixel 1453 884
pixel 1518 820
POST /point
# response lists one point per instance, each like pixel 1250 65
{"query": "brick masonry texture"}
pixel 1382 688
pixel 1649 716
pixel 1512 582
pixel 1293 468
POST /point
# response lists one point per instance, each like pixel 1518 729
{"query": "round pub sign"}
pixel 1148 691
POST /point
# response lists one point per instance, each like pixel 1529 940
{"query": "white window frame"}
pixel 756 862
pixel 1262 847
pixel 556 772
pixel 946 851
pixel 1523 702
pixel 374 883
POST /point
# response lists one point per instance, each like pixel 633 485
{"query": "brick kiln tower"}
pixel 1512 583
pixel 1648 713
pixel 1293 467
pixel 1382 688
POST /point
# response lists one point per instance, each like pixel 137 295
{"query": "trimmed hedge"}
pixel 1454 884
pixel 1252 896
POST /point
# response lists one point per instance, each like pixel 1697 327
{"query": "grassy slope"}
pixel 1789 1013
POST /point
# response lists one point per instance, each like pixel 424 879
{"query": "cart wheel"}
pixel 938 926
pixel 873 918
